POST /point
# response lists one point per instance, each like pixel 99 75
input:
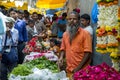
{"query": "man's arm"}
pixel 83 62
pixel 87 51
pixel 25 34
pixel 60 61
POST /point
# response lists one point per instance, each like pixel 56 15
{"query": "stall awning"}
pixel 12 4
pixel 50 4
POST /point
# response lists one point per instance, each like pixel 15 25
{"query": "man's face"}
pixel 35 16
pixel 31 25
pixel 84 22
pixel 72 20
pixel 20 15
pixel 72 26
pixel 13 14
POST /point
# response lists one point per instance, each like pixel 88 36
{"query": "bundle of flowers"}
pixel 99 72
pixel 107 2
pixel 34 45
pixel 108 16
pixel 115 56
pixel 107 34
pixel 101 40
pixel 119 14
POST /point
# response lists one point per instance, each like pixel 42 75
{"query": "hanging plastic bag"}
pixel 2 24
pixel 94 13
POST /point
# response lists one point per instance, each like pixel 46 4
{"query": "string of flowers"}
pixel 107 27
pixel 115 56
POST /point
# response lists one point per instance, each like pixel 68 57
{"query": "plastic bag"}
pixel 2 24
pixel 51 56
pixel 94 13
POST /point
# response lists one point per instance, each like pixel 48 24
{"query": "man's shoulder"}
pixel 65 33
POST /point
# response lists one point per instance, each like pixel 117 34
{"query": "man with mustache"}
pixel 76 45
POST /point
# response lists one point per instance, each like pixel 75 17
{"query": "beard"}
pixel 72 30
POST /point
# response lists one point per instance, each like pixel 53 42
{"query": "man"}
pixel 20 25
pixel 31 29
pixel 61 25
pixel 76 45
pixel 85 21
pixel 38 24
pixel 9 43
pixel 20 14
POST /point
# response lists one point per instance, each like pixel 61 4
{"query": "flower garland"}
pixel 115 56
pixel 107 32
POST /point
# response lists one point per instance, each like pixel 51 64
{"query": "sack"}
pixel 9 57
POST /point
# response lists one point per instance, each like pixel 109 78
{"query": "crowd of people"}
pixel 72 32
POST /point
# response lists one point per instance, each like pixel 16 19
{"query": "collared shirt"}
pixel 13 41
pixel 40 26
pixel 20 25
pixel 31 32
pixel 75 51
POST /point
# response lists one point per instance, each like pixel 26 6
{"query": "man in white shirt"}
pixel 8 53
pixel 85 21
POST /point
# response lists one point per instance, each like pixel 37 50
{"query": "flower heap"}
pixel 99 72
pixel 107 26
pixel 34 45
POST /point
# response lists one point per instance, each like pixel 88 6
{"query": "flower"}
pixel 99 72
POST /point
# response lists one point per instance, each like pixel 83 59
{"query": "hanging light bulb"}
pixel 11 0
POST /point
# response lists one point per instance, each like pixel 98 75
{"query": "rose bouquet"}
pixel 34 45
pixel 99 72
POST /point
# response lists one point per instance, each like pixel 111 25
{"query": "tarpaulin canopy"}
pixel 9 4
pixel 50 4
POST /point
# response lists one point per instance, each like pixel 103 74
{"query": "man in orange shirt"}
pixel 76 45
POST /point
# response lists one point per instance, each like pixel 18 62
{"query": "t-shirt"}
pixel 75 51
pixel 89 29
pixel 60 32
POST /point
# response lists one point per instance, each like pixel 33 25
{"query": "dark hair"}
pixel 20 11
pixel 73 12
pixel 27 13
pixel 64 14
pixel 54 14
pixel 55 41
pixel 85 16
pixel 34 13
pixel 31 21
pixel 12 9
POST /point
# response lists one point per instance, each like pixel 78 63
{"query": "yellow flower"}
pixel 97 30
pixel 116 27
pixel 108 28
pixel 114 54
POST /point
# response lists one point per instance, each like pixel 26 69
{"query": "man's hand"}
pixel 60 62
pixel 76 69
pixel 0 56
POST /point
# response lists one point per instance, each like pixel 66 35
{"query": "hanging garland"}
pixel 107 31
